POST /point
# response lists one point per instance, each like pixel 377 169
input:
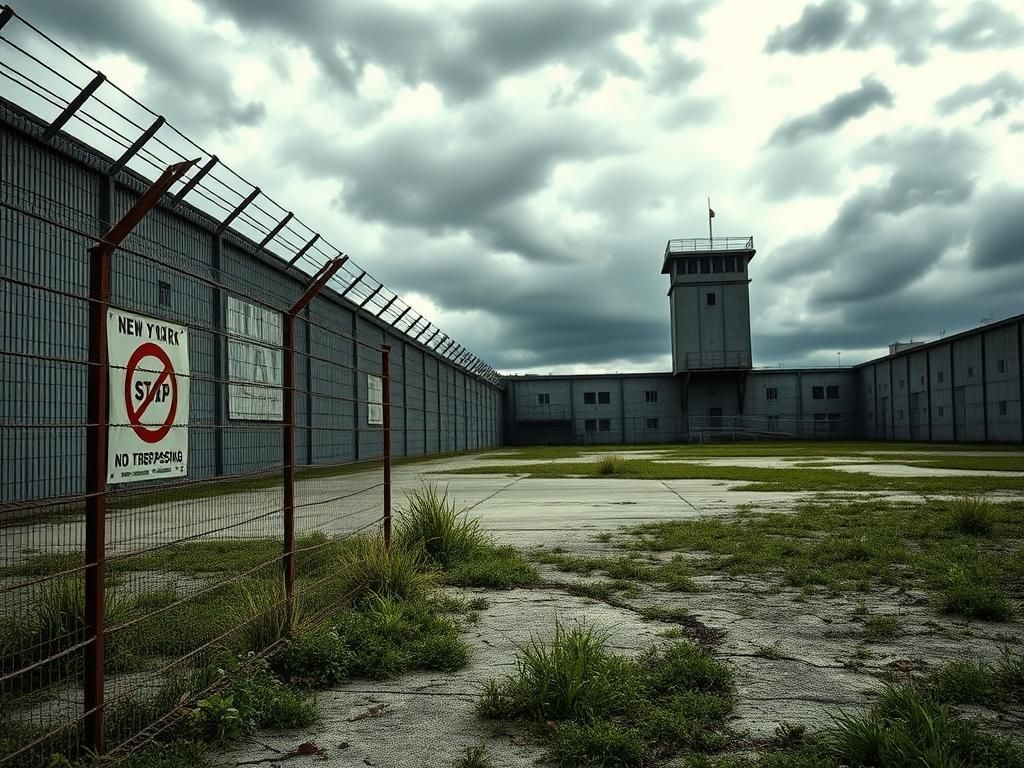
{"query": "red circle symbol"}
pixel 145 433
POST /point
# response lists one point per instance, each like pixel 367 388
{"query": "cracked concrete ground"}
pixel 798 658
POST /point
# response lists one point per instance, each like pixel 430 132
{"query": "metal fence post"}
pixel 97 399
pixel 319 280
pixel 288 513
pixel 385 359
pixel 96 493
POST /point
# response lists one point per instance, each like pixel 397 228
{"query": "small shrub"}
pixel 386 637
pixel 494 567
pixel 572 677
pixel 963 682
pixel 683 668
pixel 265 702
pixel 218 719
pixel 369 568
pixel 431 523
pixel 597 745
pixel 974 596
pixel 971 515
pixel 611 465
pixel 788 736
pixel 906 728
pixel 317 659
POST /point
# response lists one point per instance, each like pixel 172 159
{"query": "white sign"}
pixel 254 362
pixel 374 400
pixel 149 381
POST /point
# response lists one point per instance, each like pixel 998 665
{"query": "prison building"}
pixel 962 388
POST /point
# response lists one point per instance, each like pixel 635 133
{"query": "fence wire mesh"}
pixel 194 568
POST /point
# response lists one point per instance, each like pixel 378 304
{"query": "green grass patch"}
pixel 674 575
pixel 602 709
pixel 856 546
pixel 972 682
pixel 493 567
pixel 759 478
pixel 371 569
pixel 971 515
pixel 882 628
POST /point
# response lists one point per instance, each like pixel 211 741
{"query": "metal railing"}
pixel 704 244
pixel 713 360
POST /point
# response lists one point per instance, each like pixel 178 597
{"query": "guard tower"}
pixel 709 298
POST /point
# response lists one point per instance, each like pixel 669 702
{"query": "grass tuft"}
pixel 606 710
pixel 879 629
pixel 431 523
pixel 611 465
pixel 474 757
pixel 370 569
pixel 264 616
pixel 971 515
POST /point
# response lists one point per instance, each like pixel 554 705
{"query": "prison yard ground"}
pixel 763 603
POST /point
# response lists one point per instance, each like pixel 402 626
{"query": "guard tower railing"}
pixel 716 360
pixel 704 244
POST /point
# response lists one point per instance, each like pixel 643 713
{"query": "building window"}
pixel 970 372
pixel 604 425
pixel 691 266
pixel 543 398
pixel 832 392
pixel 817 393
pixel 652 423
pixel 590 425
pixel 719 264
pixel 589 398
pixel 771 393
pixel 1001 365
pixel 1002 407
pixel 833 421
pixel 819 417
pixel 165 294
pixel 604 398
pixel 712 299
pixel 730 263
pixel 940 377
pixel 705 265
pixel 942 411
pixel 773 423
pixel 651 396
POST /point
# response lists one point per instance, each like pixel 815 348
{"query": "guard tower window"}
pixel 692 266
pixel 589 398
pixel 719 264
pixel 832 392
pixel 651 396
pixel 771 393
pixel 705 265
pixel 604 398
pixel 604 425
pixel 730 263
pixel 818 393
pixel 543 398
pixel 712 299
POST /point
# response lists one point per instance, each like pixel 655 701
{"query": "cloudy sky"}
pixel 514 167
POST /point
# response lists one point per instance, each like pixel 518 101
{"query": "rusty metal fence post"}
pixel 100 257
pixel 318 281
pixel 385 367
